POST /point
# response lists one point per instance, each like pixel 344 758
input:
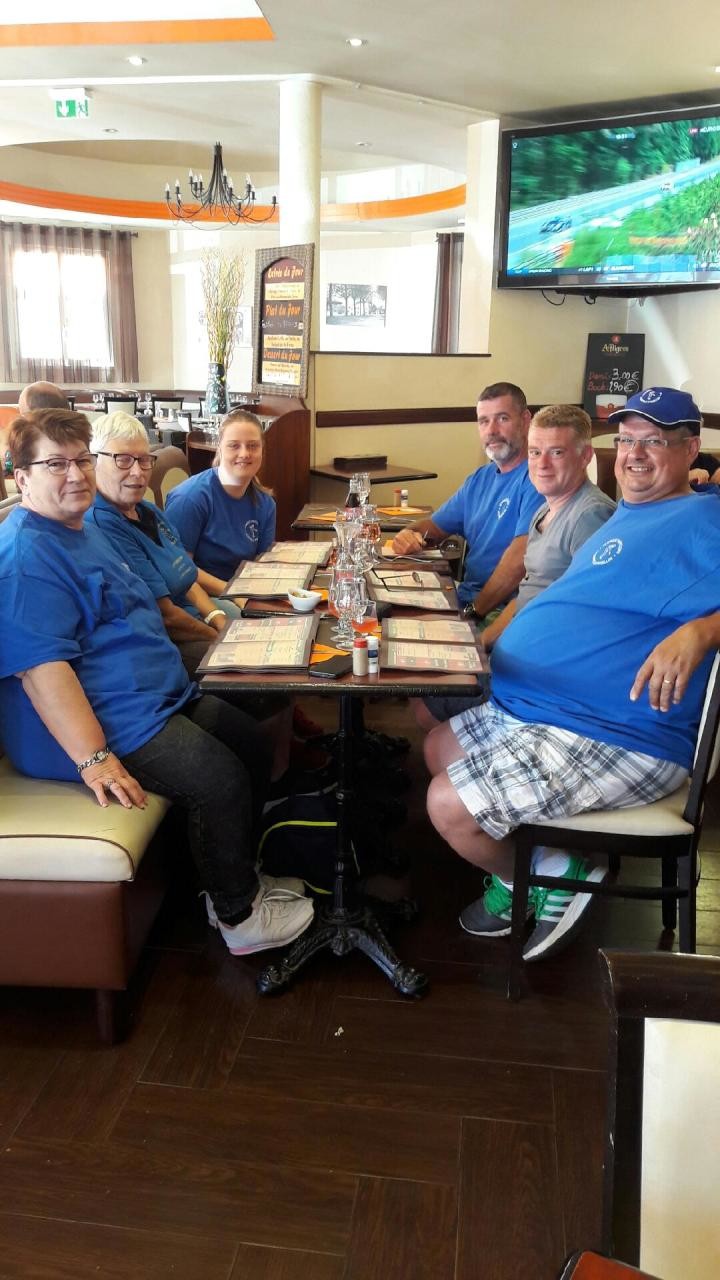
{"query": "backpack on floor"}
pixel 298 837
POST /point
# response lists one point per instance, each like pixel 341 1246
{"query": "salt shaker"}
pixel 360 656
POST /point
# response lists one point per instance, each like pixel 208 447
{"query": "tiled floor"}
pixel 335 1132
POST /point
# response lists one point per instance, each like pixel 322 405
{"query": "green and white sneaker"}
pixel 491 915
pixel 558 912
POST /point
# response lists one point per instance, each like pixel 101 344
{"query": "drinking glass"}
pixel 360 482
pixel 372 535
pixel 348 605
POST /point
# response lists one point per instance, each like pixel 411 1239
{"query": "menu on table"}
pixel 429 601
pixel 405 580
pixel 431 630
pixel 410 655
pixel 263 644
pixel 315 553
pixel 426 553
pixel 268 581
pixel 403 511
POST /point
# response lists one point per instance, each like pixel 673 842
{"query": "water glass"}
pixel 360 482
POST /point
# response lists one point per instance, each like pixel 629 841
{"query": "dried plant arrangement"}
pixel 222 285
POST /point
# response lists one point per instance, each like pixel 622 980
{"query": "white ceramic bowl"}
pixel 304 601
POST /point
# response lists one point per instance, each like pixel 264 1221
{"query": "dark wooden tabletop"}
pixel 308 517
pixel 392 473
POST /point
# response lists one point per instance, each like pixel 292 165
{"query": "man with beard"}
pixel 492 510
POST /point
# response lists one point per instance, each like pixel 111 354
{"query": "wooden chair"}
pixel 662 1149
pixel 122 400
pixel 668 829
pixel 164 403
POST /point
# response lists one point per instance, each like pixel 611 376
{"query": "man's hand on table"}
pixel 407 542
pixel 667 670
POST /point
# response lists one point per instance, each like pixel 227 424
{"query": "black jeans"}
pixel 211 760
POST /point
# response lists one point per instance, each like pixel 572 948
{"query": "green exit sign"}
pixel 68 108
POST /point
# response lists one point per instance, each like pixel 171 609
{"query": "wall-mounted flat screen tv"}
pixel 629 205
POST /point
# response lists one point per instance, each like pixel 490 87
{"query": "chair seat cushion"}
pixel 661 818
pixel 58 831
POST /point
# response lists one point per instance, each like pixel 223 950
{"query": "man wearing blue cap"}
pixel 597 684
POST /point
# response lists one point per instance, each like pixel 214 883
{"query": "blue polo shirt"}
pixel 489 510
pixel 218 530
pixel 165 567
pixel 570 657
pixel 65 596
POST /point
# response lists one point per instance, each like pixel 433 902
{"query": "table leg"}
pixel 339 928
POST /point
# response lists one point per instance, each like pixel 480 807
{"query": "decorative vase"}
pixel 216 393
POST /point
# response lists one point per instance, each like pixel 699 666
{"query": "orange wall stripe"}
pixel 181 31
pixel 404 207
pixel 106 206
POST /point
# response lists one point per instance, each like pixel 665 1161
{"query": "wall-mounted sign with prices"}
pixel 283 301
pixel 613 371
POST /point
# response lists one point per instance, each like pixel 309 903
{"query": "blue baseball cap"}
pixel 665 406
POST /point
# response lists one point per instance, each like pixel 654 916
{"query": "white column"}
pixel 299 176
pixel 478 267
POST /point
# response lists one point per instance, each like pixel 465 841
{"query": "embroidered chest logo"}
pixel 608 552
pixel 503 505
pixel 252 530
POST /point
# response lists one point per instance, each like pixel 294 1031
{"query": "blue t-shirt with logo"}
pixel 165 567
pixel 490 509
pixel 65 596
pixel 218 530
pixel 570 657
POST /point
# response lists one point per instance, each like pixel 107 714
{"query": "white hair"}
pixel 115 426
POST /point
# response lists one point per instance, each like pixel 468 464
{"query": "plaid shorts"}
pixel 515 772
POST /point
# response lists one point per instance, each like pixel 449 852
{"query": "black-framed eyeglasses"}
pixel 124 461
pixel 61 466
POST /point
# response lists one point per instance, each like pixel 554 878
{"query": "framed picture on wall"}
pixel 361 305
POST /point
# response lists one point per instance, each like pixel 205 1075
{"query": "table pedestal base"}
pixel 341 931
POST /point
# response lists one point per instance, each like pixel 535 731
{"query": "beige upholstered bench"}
pixel 80 887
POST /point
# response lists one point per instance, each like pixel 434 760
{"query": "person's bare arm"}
pixel 504 579
pixel 59 699
pixel 667 670
pixel 421 533
pixel 214 586
pixel 715 477
pixel 200 599
pixel 496 628
pixel 181 625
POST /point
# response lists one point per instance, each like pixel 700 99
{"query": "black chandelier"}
pixel 218 199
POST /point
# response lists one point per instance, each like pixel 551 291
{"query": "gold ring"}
pixel 667 680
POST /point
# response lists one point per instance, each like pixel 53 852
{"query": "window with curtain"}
pixel 67 305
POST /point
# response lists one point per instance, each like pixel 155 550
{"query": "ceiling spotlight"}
pixel 109 130
pixel 356 42
pixel 136 60
pixel 363 145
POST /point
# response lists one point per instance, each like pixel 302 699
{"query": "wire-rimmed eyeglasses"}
pixel 653 443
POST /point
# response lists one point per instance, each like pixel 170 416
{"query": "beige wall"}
pixel 153 308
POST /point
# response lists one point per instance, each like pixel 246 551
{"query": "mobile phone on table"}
pixel 339 665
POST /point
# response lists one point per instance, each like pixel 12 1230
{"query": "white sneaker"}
pixel 281 886
pixel 273 923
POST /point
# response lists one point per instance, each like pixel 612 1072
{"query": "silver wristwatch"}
pixel 469 610
pixel 97 757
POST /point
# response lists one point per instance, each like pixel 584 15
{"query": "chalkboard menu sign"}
pixel 613 371
pixel 283 300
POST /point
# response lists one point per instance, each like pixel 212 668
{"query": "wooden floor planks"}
pixel 335 1132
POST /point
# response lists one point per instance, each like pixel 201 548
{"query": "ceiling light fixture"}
pixel 218 198
pixel 356 42
pixel 363 145
pixel 109 130
pixel 136 60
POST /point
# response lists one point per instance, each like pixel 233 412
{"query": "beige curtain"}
pixel 446 317
pixel 119 362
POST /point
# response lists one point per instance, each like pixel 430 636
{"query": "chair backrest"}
pixel 592 470
pixel 662 1157
pixel 170 470
pixel 127 402
pixel 707 750
pixel 7 505
pixel 166 402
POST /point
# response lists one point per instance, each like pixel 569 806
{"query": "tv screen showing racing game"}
pixel 621 204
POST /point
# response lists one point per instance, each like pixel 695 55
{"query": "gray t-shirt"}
pixel 550 550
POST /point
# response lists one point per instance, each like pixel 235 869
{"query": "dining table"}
pixel 344 925
pixel 320 516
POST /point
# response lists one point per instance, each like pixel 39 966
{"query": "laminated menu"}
pixel 405 580
pixel 428 601
pixel 268 581
pixel 263 644
pixel 425 553
pixel 410 655
pixel 431 630
pixel 315 553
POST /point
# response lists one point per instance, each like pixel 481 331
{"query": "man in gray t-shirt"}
pixel 559 452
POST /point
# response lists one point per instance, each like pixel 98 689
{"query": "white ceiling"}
pixel 427 71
